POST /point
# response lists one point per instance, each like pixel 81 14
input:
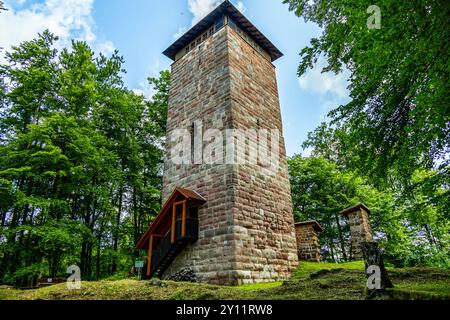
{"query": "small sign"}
pixel 139 264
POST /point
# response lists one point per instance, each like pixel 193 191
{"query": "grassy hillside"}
pixel 311 281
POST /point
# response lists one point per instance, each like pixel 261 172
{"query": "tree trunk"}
pixel 341 238
pixel 330 242
pixel 429 234
pixel 135 216
pixel 85 261
pixel 116 231
pixel 378 279
pixel 89 261
pixel 97 266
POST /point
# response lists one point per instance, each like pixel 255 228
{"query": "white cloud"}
pixel 240 6
pixel 144 90
pixel 68 19
pixel 201 8
pixel 106 47
pixel 181 31
pixel 327 106
pixel 316 81
pixel 155 68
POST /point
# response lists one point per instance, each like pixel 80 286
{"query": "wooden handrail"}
pixel 150 251
pixel 183 223
pixel 173 223
pixel 159 254
pixel 174 210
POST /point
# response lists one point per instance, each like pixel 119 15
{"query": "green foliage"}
pixel 80 160
pixel 26 274
pixel 398 117
pixel 411 230
pixel 159 103
pixel 306 268
pixel 321 189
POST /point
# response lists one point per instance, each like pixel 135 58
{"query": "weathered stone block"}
pixel 360 230
pixel 246 228
pixel 308 245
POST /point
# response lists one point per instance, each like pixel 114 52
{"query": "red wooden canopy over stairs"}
pixel 175 226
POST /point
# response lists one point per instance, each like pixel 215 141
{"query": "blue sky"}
pixel 142 29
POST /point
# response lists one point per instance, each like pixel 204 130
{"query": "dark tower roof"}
pixel 226 8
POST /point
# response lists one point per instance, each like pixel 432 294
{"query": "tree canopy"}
pixel 81 154
pixel 393 136
pixel 412 231
pixel 399 114
pixel 80 161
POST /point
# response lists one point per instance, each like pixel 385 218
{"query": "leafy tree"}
pixel 320 190
pixel 331 144
pixel 394 132
pixel 157 106
pixel 412 231
pixel 399 113
pixel 421 202
pixel 80 156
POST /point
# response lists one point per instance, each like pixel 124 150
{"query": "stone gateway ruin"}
pixel 360 230
pixel 227 215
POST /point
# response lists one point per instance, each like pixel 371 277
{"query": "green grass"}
pixel 259 286
pixel 436 287
pixel 311 281
pixel 422 281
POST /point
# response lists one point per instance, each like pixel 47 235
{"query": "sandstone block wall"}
pixel 308 244
pixel 246 227
pixel 263 205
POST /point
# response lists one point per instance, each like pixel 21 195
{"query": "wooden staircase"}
pixel 167 250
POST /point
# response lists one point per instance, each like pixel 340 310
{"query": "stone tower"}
pixel 224 86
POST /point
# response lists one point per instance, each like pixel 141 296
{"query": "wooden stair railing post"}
pixel 173 223
pixel 183 223
pixel 150 251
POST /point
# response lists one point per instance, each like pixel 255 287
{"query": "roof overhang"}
pixel 226 8
pixel 313 223
pixel 355 208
